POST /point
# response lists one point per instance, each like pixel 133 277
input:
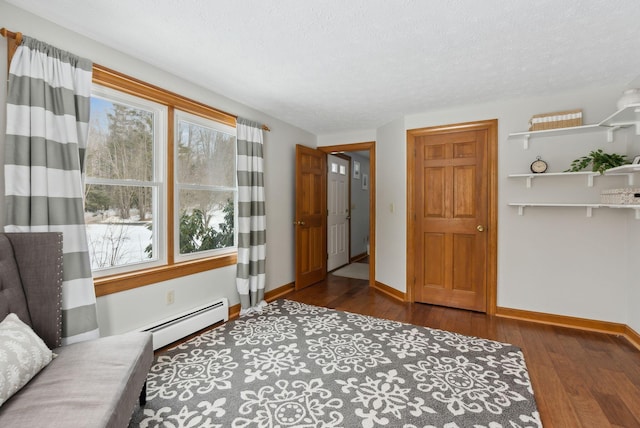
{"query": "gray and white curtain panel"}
pixel 250 276
pixel 48 102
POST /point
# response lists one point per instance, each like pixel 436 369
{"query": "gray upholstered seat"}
pixel 90 384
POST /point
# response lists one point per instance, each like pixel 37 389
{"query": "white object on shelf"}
pixel 621 196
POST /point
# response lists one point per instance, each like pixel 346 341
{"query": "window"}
pixel 206 185
pixel 160 186
pixel 124 189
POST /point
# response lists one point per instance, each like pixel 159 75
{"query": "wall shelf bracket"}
pixel 525 142
pixel 529 180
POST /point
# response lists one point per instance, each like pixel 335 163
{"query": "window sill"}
pixel 130 280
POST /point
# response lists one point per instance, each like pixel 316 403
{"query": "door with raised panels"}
pixel 310 216
pixel 450 208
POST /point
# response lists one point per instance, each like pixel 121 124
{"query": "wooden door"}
pixel 338 205
pixel 310 216
pixel 450 204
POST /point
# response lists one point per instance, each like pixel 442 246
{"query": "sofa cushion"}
pixel 22 355
pixel 90 384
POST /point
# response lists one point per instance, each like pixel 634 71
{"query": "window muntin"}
pixel 205 183
pixel 124 188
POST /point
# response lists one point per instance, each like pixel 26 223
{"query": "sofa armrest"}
pixel 39 259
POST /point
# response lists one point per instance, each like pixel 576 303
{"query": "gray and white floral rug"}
pixel 297 365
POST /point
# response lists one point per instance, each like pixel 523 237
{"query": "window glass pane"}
pixel 205 156
pixel 121 141
pixel 206 220
pixel 119 220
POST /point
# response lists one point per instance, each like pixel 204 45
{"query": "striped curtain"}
pixel 250 275
pixel 48 102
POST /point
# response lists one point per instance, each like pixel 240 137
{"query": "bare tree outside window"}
pixel 117 214
pixel 120 185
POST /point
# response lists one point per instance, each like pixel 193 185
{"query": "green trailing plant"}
pixel 599 160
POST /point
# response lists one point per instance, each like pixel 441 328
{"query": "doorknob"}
pixel 301 223
pixel 480 228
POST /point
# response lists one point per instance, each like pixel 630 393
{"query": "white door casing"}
pixel 337 212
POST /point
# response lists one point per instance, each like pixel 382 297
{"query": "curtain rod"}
pixel 18 38
pixel 11 35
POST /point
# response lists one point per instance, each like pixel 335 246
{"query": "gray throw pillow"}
pixel 22 355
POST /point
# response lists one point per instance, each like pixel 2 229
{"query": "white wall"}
pixel 128 310
pixel 349 137
pixel 391 205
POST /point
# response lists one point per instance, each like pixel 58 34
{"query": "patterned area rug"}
pixel 297 365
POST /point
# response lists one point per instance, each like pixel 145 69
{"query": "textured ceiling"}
pixel 335 65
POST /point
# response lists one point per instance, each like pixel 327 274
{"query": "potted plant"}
pixel 599 160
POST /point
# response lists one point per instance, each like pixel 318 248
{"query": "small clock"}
pixel 538 166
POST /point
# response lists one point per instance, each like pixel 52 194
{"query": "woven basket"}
pixel 559 119
pixel 624 196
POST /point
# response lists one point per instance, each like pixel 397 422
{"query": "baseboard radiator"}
pixel 181 325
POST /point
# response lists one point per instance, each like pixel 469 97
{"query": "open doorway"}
pixel 358 152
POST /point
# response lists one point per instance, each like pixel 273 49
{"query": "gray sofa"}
pixel 95 383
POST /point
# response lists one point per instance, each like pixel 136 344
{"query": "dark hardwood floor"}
pixel 580 379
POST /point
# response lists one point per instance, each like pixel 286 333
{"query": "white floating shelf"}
pixel 521 206
pixel 626 116
pixel 628 170
pixel 526 135
pixel 530 176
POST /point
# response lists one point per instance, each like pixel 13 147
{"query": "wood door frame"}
pixel 371 147
pixel 491 274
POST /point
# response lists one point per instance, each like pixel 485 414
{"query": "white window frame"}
pixel 159 189
pixel 179 116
